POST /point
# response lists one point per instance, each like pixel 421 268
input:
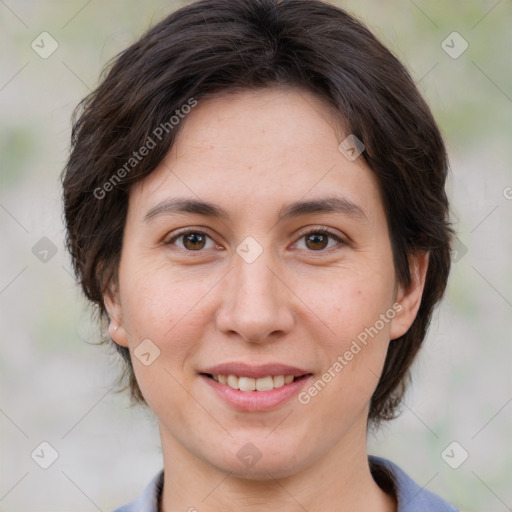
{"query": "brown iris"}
pixel 317 239
pixel 194 241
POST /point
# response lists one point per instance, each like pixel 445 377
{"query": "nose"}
pixel 257 304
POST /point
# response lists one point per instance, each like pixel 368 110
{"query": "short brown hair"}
pixel 216 46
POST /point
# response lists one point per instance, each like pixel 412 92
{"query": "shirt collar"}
pixel 409 495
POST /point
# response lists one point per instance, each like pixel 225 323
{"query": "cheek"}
pixel 160 301
pixel 358 311
pixel 352 303
pixel 167 308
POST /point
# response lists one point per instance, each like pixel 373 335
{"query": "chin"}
pixel 276 468
pixel 259 460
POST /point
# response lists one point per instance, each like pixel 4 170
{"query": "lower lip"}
pixel 256 400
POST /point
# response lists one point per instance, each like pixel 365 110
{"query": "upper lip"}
pixel 255 371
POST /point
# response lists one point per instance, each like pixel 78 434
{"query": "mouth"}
pixel 255 388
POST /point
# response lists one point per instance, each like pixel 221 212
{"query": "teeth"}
pixel 246 384
pixel 264 384
pixel 250 384
pixel 279 380
pixel 232 382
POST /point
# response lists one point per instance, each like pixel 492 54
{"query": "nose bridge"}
pixel 255 304
pixel 255 283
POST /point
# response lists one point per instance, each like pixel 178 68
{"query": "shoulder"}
pixel 148 501
pixel 410 496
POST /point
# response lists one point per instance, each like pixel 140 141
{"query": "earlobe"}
pixel 116 328
pixel 410 298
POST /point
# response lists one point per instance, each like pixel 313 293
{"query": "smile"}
pixel 254 388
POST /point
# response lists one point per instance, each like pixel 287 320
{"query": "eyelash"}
pixel 317 231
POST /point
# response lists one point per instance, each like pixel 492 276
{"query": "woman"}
pixel 255 203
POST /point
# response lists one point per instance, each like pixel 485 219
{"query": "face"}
pixel 266 293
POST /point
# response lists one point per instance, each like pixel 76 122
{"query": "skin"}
pixel 299 303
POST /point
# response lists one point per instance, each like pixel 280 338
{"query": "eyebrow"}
pixel 332 204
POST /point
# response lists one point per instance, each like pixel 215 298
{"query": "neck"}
pixel 341 480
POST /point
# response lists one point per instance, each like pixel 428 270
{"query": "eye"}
pixel 317 240
pixel 193 240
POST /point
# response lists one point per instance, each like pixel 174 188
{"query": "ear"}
pixel 112 302
pixel 410 298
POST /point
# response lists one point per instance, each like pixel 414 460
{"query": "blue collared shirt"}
pixel 410 496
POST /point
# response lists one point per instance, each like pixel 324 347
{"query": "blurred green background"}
pixel 55 384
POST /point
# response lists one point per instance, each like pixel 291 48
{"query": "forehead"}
pixel 256 148
pixel 271 123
